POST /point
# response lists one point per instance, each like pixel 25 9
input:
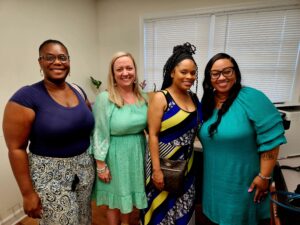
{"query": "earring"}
pixel 41 72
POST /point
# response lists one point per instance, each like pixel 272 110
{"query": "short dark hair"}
pixel 180 53
pixel 52 41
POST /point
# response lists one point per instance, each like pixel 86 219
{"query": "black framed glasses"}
pixel 51 58
pixel 226 72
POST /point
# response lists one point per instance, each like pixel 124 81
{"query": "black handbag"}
pixel 174 174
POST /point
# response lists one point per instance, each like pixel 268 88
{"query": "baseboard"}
pixel 14 218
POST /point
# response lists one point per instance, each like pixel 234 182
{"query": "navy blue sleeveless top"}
pixel 57 131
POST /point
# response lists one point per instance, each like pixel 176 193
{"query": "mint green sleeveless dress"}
pixel 119 140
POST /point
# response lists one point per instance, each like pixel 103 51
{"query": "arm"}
pixel 17 122
pixel 269 135
pixel 101 135
pixel 261 181
pixel 156 109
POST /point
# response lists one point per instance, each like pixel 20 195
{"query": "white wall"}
pixel 120 28
pixel 119 22
pixel 93 30
pixel 24 25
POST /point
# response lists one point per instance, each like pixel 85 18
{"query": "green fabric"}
pixel 231 158
pixel 118 139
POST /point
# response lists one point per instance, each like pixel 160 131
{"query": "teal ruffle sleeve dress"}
pixel 232 158
pixel 119 140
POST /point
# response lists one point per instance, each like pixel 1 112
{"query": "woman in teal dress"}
pixel 241 135
pixel 118 142
pixel 173 118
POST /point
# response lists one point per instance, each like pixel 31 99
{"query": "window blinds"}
pixel 265 44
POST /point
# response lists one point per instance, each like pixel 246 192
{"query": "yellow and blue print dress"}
pixel 176 140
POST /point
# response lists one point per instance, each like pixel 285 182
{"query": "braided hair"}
pixel 208 101
pixel 180 53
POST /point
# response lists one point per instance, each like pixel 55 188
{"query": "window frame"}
pixel 231 8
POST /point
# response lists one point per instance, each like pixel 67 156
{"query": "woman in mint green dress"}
pixel 118 142
pixel 241 135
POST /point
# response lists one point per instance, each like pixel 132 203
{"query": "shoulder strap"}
pixel 80 90
pixel 198 107
pixel 167 95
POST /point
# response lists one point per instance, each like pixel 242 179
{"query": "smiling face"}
pixel 223 84
pixel 55 63
pixel 124 72
pixel 184 74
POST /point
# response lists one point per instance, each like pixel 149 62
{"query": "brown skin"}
pixel 267 162
pixel 183 76
pixel 17 124
pixel 18 121
pixel 268 159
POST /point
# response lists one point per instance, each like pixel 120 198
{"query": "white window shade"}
pixel 265 45
pixel 264 42
pixel 161 35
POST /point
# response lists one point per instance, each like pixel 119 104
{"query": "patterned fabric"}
pixel 64 186
pixel 176 140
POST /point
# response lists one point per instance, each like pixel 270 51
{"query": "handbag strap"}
pixel 198 107
pixel 79 89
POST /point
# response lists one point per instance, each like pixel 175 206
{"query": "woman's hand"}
pixel 158 179
pixel 105 176
pixel 261 187
pixel 103 171
pixel 262 180
pixel 32 205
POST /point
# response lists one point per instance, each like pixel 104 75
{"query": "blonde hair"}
pixel 113 92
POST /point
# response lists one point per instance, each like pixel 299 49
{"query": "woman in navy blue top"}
pixel 52 119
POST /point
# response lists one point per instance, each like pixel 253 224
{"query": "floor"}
pixel 100 219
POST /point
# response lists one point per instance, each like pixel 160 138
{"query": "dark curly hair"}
pixel 208 102
pixel 180 53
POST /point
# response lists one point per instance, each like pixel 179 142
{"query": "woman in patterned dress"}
pixel 173 117
pixel 118 142
pixel 51 117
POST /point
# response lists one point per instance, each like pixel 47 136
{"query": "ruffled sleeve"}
pixel 265 117
pixel 100 138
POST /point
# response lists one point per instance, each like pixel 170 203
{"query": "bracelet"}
pixel 263 177
pixel 102 170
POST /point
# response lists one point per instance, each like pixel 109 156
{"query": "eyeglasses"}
pixel 51 58
pixel 226 72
